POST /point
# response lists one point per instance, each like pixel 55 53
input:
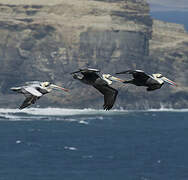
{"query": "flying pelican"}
pixel 140 78
pixel 91 77
pixel 34 90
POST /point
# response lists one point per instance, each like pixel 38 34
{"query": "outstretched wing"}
pixel 109 93
pixel 33 91
pixel 28 101
pixel 137 74
pixel 31 95
pixel 88 70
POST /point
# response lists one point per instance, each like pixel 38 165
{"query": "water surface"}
pixel 60 144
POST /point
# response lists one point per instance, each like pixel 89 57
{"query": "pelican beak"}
pixel 169 81
pixel 58 87
pixel 109 78
pixel 112 78
pixel 116 79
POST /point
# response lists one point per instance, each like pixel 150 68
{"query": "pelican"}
pixel 34 90
pixel 91 77
pixel 140 78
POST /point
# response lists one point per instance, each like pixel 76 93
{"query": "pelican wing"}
pixel 109 93
pixel 137 74
pixel 88 70
pixel 91 70
pixel 33 91
pixel 140 74
pixel 28 101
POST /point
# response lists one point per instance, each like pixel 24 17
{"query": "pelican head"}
pixel 161 78
pixel 107 77
pixel 45 84
pixel 158 75
pixel 49 86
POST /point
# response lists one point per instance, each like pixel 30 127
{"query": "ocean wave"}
pixel 167 110
pixel 59 111
pixel 70 148
pixel 70 112
pixel 83 116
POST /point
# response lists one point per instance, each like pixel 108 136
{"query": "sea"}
pixel 87 144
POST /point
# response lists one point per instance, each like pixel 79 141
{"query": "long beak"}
pixel 169 81
pixel 115 79
pixel 58 87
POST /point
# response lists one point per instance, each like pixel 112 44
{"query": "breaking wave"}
pixel 167 110
pixel 83 116
pixel 59 111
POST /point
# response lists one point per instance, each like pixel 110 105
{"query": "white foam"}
pixel 68 114
pixel 17 117
pixel 70 148
pixel 18 142
pixel 59 111
pixel 167 110
pixel 83 122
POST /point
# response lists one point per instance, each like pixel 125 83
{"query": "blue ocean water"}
pixel 60 144
pixel 179 17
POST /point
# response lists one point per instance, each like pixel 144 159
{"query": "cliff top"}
pixel 81 13
pixel 167 35
pixel 55 2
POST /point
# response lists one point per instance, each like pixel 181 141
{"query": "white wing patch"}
pixel 33 91
pixel 138 70
pixel 95 70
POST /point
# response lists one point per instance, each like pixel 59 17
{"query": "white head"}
pixel 161 79
pixel 49 86
pixel 45 84
pixel 158 75
pixel 106 77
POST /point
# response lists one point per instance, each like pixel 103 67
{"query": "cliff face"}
pixel 47 41
pixel 169 51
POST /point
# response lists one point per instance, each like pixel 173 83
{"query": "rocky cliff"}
pixel 46 41
pixel 169 52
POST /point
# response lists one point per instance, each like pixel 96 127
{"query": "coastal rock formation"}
pixel 169 50
pixel 48 40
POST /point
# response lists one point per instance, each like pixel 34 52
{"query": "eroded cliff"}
pixel 169 51
pixel 48 40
